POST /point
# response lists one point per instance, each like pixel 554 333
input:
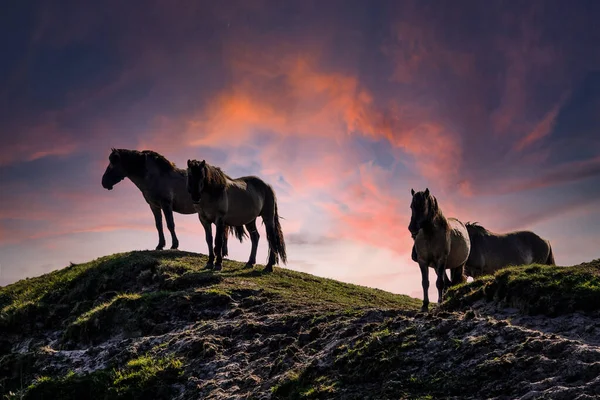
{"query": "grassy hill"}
pixel 153 324
pixel 154 299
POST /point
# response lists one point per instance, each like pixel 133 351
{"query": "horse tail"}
pixel 550 260
pixel 274 232
pixel 239 232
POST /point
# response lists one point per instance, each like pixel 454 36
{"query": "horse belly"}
pixel 183 207
pixel 238 218
pixel 243 206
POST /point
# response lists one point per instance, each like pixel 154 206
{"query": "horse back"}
pixel 492 252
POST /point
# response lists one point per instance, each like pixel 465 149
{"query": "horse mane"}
pixel 216 179
pixel 163 164
pixel 474 227
pixel 435 211
pixel 134 161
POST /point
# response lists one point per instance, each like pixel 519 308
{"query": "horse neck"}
pixel 139 181
pixel 438 219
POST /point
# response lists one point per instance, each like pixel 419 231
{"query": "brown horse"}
pixel 163 186
pixel 441 243
pixel 492 251
pixel 224 200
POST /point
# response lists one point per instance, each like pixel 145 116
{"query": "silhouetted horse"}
pixel 492 251
pixel 224 200
pixel 440 242
pixel 163 186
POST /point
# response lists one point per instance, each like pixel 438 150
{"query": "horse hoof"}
pixel 209 266
pixel 218 268
pixel 159 247
pixel 268 268
pixel 425 308
pixel 248 266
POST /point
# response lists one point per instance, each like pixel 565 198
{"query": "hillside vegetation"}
pixel 154 324
pixel 534 289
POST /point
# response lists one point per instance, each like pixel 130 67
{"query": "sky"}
pixel 342 106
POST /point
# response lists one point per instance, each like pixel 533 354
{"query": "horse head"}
pixel 423 207
pixel 115 172
pixel 196 176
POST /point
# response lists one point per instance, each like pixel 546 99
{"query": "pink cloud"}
pixel 542 129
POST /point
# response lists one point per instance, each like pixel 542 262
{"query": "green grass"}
pixel 70 296
pixel 48 300
pixel 299 288
pixel 534 289
pixel 144 377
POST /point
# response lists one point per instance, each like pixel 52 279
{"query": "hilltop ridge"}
pixel 154 322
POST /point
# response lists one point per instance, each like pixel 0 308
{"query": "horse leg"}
pixel 219 243
pixel 254 236
pixel 168 210
pixel 159 227
pixel 440 283
pixel 458 275
pixel 225 250
pixel 425 282
pixel 209 242
pixel 270 228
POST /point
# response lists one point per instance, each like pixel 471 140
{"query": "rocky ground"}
pixel 155 325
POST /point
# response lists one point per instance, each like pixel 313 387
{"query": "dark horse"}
pixel 224 200
pixel 440 242
pixel 163 186
pixel 492 251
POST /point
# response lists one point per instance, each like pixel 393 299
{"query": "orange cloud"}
pixel 289 96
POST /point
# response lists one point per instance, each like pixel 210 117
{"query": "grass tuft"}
pixel 534 289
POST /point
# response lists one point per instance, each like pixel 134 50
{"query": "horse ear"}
pixel 426 191
pixel 412 191
pixel 189 163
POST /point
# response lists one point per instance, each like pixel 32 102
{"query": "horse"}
pixel 225 200
pixel 163 186
pixel 492 251
pixel 439 242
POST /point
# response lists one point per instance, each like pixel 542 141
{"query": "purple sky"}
pixel 343 106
